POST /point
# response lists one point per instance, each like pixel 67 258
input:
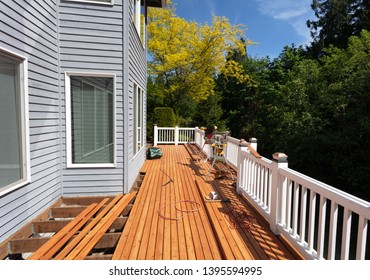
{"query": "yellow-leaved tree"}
pixel 187 56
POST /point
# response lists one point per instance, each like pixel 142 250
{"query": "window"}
pixel 90 108
pixel 14 139
pixel 138 118
pixel 140 20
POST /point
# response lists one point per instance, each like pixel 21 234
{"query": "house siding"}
pixel 29 29
pixel 137 74
pixel 91 41
pixel 59 36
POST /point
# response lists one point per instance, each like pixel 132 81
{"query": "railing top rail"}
pixel 261 160
pixel 186 128
pixel 233 140
pixel 342 198
pixel 165 128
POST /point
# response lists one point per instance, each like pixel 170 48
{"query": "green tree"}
pixel 186 56
pixel 336 21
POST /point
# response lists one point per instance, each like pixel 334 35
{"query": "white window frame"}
pixel 24 123
pixel 138 118
pixel 111 3
pixel 69 147
pixel 140 25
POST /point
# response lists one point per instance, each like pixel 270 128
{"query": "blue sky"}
pixel 272 24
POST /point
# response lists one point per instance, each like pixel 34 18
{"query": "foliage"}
pixel 186 56
pixel 337 20
pixel 316 111
pixel 164 117
pixel 310 103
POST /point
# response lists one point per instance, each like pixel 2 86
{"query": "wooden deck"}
pixel 173 219
pixel 169 218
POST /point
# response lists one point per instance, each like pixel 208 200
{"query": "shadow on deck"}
pixel 170 217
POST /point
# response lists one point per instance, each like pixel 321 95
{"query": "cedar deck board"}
pixel 149 236
pixel 146 235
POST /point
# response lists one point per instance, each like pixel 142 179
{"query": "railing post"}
pixel 253 143
pixel 155 135
pixel 196 135
pixel 243 146
pixel 280 160
pixel 176 135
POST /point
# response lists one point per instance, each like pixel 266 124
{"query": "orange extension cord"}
pixel 195 206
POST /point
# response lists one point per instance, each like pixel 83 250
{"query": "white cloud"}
pixel 294 12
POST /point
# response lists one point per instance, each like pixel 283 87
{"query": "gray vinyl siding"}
pixel 29 28
pixel 91 41
pixel 59 36
pixel 137 74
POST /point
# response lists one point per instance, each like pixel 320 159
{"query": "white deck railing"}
pixel 318 220
pixel 173 135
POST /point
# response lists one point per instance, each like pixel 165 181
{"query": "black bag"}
pixel 154 152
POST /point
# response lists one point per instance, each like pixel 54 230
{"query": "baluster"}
pixel 347 221
pixel 311 223
pixel 361 238
pixel 303 213
pixel 288 203
pixel 295 208
pixel 333 230
pixel 321 233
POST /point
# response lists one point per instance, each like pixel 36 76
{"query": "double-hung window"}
pixel 138 118
pixel 14 133
pixel 90 108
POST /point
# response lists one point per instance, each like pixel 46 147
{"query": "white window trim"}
pixel 139 24
pixel 137 135
pixel 69 148
pixel 25 125
pixel 111 3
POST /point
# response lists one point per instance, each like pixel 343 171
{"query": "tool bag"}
pixel 154 152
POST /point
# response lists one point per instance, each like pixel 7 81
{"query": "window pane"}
pixel 92 119
pixel 11 153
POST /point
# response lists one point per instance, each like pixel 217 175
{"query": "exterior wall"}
pixel 29 28
pixel 91 41
pixel 58 36
pixel 137 74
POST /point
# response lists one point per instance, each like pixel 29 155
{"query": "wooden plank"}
pixel 72 231
pixel 24 232
pixel 47 246
pixel 209 245
pixel 56 225
pixel 152 219
pixel 152 245
pixel 66 212
pixel 123 248
pixel 29 245
pixel 94 236
pixel 67 249
pixel 48 226
pixel 84 200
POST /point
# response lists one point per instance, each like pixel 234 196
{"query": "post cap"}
pixel 280 157
pixel 252 140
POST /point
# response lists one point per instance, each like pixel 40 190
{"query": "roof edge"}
pixel 155 3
